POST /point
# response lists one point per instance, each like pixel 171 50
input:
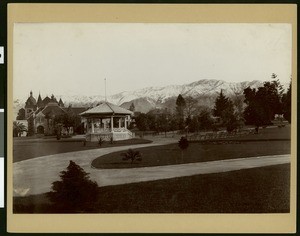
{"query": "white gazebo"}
pixel 107 121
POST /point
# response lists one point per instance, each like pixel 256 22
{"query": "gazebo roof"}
pixel 106 108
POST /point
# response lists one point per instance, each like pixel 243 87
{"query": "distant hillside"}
pixel 160 97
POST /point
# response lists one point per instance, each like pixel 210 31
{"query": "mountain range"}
pixel 148 98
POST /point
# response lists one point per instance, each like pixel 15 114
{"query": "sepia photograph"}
pixel 137 119
pixel 152 118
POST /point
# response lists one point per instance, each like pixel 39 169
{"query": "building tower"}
pixel 39 102
pixel 30 105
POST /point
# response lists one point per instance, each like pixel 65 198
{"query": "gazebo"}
pixel 108 122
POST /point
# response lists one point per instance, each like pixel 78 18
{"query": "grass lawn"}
pixel 269 141
pixel 24 148
pixel 258 190
pixel 271 133
pixel 196 152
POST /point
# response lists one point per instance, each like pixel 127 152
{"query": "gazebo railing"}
pixel 120 129
pixel 117 134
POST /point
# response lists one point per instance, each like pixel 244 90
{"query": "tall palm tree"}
pixel 18 129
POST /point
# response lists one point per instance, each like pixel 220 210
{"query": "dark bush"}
pixel 75 192
pixel 131 155
pixel 183 143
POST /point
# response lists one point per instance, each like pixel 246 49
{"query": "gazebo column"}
pixel 87 126
pixel 93 126
pixel 120 123
pixel 112 123
pixel 125 123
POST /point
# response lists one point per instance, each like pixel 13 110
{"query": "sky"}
pixel 75 58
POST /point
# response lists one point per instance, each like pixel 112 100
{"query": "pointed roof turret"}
pixel 40 101
pixel 60 103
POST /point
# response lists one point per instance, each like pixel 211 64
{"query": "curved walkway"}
pixel 35 176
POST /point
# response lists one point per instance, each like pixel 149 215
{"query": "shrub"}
pixel 131 155
pixel 58 136
pixel 75 192
pixel 183 143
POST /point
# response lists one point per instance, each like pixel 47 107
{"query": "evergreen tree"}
pixel 221 104
pixel 75 192
pixel 183 144
pixel 180 107
pixel 225 110
pixel 132 107
pixel 286 103
pixel 263 103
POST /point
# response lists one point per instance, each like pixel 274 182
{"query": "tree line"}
pixel 251 106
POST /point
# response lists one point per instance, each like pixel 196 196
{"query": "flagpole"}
pixel 105 88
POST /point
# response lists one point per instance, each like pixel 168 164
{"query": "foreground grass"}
pixel 258 190
pixel 24 149
pixel 196 152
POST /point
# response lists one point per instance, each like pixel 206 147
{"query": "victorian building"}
pixel 40 114
pixel 106 120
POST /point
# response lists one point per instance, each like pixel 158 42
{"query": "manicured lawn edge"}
pixel 257 190
pixel 31 149
pixel 170 154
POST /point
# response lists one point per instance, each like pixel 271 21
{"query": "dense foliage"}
pixel 263 103
pixel 131 155
pixel 180 107
pixel 251 106
pixel 30 126
pixel 224 109
pixel 183 143
pixel 18 129
pixel 75 192
pixel 286 104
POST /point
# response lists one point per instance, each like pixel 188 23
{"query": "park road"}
pixel 35 176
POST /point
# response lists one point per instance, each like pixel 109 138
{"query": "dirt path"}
pixel 34 176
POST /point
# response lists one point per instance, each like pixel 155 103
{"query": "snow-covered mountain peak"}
pixel 155 96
